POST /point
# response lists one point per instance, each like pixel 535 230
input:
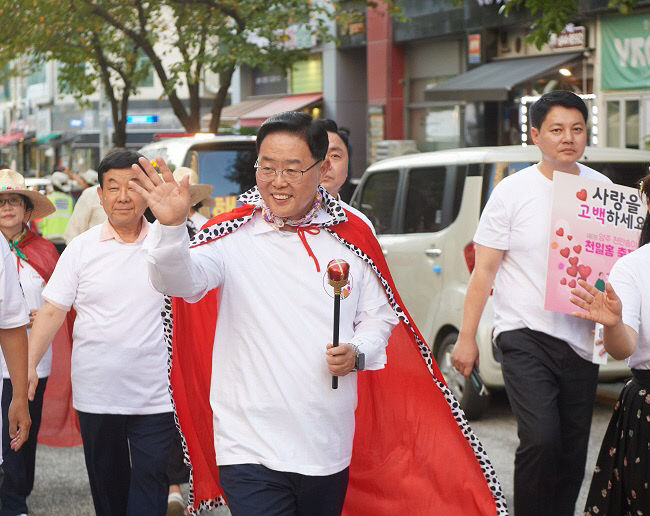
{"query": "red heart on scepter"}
pixel 572 283
pixel 572 271
pixel 584 271
pixel 577 248
pixel 563 281
pixel 565 252
pixel 573 260
pixel 582 195
pixel 560 232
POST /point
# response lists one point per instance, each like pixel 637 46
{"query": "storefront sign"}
pixel 141 119
pixel 626 52
pixel 571 37
pixel 474 48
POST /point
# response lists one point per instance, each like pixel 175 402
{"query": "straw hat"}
pixel 13 182
pixel 198 192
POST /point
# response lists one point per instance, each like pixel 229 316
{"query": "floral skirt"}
pixel 620 485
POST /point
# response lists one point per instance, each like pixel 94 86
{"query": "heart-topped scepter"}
pixel 337 275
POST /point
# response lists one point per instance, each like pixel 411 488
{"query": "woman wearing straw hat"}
pixel 35 258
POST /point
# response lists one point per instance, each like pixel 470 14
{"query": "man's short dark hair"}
pixel 117 158
pixel 564 98
pixel 331 127
pixel 300 124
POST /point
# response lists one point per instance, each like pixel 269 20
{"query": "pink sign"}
pixel 592 225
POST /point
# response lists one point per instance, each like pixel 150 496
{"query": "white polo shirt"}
pixel 517 219
pixel 271 392
pixel 119 357
pixel 32 284
pixel 630 278
pixel 13 308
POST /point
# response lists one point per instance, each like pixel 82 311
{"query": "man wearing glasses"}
pixel 281 435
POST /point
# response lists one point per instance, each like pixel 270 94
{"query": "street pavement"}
pixel 61 485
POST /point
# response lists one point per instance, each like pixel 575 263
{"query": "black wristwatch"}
pixel 359 360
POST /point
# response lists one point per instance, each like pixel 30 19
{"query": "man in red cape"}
pixel 413 450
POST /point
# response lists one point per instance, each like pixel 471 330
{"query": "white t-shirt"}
pixel 33 284
pixel 630 278
pixel 271 392
pixel 13 308
pixel 517 219
pixel 119 357
pixel 198 219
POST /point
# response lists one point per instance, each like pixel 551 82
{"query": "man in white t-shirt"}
pixel 14 316
pixel 546 356
pixel 119 358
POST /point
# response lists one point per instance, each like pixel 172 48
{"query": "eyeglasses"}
pixel 291 175
pixel 12 201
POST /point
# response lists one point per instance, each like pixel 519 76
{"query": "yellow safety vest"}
pixel 53 226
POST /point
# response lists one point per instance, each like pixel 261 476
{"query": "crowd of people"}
pixel 231 388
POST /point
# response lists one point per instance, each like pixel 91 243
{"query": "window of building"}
pixel 307 76
pixel 37 76
pixel 623 122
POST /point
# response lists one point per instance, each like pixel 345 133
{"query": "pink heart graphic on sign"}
pixel 577 248
pixel 572 283
pixel 560 232
pixel 584 271
pixel 573 260
pixel 563 281
pixel 582 195
pixel 565 252
pixel 572 271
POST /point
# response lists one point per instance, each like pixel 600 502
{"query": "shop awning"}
pixel 47 138
pixel 493 81
pixel 289 103
pixel 9 138
pixel 234 112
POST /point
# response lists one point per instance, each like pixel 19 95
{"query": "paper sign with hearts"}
pixel 579 245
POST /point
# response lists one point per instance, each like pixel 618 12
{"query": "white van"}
pixel 425 208
pixel 224 161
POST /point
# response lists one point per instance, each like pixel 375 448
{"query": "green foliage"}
pixel 551 16
pixel 183 40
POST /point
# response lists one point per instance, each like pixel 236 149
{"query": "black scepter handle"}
pixel 335 332
pixel 337 274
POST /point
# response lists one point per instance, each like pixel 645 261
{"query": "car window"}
pixel 433 198
pixel 230 171
pixel 377 199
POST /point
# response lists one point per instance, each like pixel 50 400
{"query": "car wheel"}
pixel 470 401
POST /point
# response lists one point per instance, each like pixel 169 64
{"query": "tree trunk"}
pixel 225 78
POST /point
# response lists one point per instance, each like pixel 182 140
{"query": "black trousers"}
pixel 255 490
pixel 126 458
pixel 19 466
pixel 551 392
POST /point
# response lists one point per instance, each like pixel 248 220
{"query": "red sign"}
pixel 474 48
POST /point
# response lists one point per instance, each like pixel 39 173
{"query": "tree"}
pixel 214 36
pixel 89 53
pixel 551 16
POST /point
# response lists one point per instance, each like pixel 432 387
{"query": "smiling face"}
pixel 12 218
pixel 337 155
pixel 123 206
pixel 284 150
pixel 562 137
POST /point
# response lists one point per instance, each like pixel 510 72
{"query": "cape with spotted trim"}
pixel 413 451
